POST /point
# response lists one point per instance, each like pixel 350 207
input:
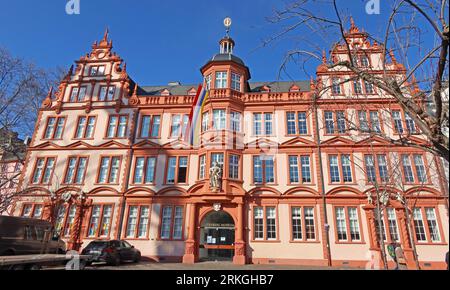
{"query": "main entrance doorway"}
pixel 217 237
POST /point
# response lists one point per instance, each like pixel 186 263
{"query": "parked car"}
pixel 112 252
pixel 25 236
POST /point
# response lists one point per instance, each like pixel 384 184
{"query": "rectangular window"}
pixel 69 220
pixel 202 167
pixel 363 124
pixel 144 170
pixel 375 122
pixel 370 168
pixel 368 87
pixel 419 227
pixel 100 222
pixel 296 126
pixel 392 222
pixel 257 124
pixel 208 82
pixel 97 71
pixel 291 128
pixel 420 168
pixel 293 169
pixel 26 210
pixel 219 120
pixel 109 170
pixel 334 169
pixel 302 126
pixel 137 222
pixel 380 226
pixel 75 171
pixel 172 223
pixel 306 169
pixel 341 124
pixel 117 127
pixel 166 221
pixel 43 170
pixel 55 127
pixel 329 122
pixel 271 226
pixel 85 127
pixel 341 224
pixel 233 171
pixel 177 170
pixel 364 61
pixel 433 227
pixel 398 125
pixel 407 169
pixel 107 93
pixel 78 94
pixel 205 122
pixel 221 80
pixel 410 124
pixel 382 168
pixel 258 223
pixel 217 157
pixel 150 126
pixel 336 87
pixel 257 169
pixel 354 224
pixel 297 223
pixel 235 82
pixel 309 223
pixel 178 223
pixel 346 168
pixel 235 121
pixel 357 87
pixel 268 126
pixel 176 126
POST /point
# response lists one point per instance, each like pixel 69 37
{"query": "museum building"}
pixel 293 182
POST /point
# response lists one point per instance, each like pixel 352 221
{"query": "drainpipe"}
pixel 322 183
pixel 127 178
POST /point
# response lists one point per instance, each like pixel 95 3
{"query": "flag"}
pixel 193 130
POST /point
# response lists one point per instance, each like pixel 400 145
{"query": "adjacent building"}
pixel 109 160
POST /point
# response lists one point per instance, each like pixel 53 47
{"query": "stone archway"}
pixel 217 237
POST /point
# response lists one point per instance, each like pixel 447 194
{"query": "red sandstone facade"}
pixel 108 160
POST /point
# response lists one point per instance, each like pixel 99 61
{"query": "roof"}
pixel 255 87
pixel 227 57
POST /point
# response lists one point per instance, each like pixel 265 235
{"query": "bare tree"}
pixel 414 28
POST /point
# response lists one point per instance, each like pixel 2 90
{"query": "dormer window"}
pixel 165 92
pixel 236 82
pixel 192 92
pixel 221 79
pixel 98 70
pixel 294 88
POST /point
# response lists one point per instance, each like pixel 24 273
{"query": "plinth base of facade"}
pixel 239 260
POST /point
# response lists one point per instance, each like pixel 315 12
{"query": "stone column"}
pixel 189 253
pixel 239 245
pixel 375 259
pixel 407 249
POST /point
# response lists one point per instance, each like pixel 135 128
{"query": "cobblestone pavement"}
pixel 205 266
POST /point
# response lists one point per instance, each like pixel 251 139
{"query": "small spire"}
pixel 106 35
pixel 324 56
pixel 50 92
pixel 414 83
pixel 312 85
pixel 352 22
pixel 391 54
pixel 135 89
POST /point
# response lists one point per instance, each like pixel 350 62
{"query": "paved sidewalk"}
pixel 207 266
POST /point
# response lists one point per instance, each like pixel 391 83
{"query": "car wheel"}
pixel 115 261
pixel 137 258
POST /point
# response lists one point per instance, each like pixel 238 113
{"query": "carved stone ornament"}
pixel 215 175
pixel 66 196
pixel 217 207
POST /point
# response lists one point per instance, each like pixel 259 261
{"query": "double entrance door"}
pixel 217 243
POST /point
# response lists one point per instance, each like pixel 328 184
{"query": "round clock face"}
pixel 227 22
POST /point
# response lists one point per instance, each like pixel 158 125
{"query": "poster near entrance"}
pixel 217 237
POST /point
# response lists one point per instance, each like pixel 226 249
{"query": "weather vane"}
pixel 227 22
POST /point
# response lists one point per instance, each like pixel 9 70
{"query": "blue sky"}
pixel 161 40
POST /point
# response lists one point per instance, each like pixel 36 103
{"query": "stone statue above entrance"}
pixel 215 177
